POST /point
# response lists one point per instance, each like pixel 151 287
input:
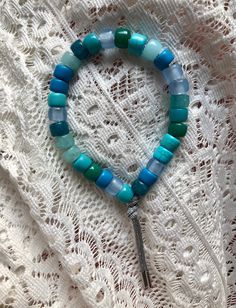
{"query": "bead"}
pixel 179 101
pixel 71 154
pixel 82 163
pixel 172 73
pixel 162 154
pixel 155 166
pixel 57 114
pixel 125 194
pixel 169 142
pixel 56 99
pixel 139 188
pixel 137 43
pixel 63 72
pixel 80 51
pixel 147 177
pixel 65 142
pixel 92 43
pixel 59 128
pixel 107 39
pixel 177 129
pixel 104 179
pixel 122 36
pixel 93 172
pixel 178 115
pixel 59 86
pixel 70 60
pixel 152 50
pixel 114 187
pixel 163 60
pixel 180 86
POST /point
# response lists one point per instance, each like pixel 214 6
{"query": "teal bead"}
pixel 139 188
pixel 92 43
pixel 70 60
pixel 163 155
pixel 56 99
pixel 59 128
pixel 65 142
pixel 71 154
pixel 137 43
pixel 169 142
pixel 82 163
pixel 126 194
pixel 178 115
pixel 152 50
pixel 179 101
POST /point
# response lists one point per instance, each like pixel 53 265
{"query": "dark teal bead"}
pixel 178 115
pixel 79 50
pixel 59 86
pixel 63 72
pixel 139 188
pixel 59 128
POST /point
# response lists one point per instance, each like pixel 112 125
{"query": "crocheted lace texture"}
pixel 63 242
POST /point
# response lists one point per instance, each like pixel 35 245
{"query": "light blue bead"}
pixel 56 99
pixel 170 142
pixel 180 86
pixel 163 60
pixel 152 50
pixel 70 60
pixel 114 187
pixel 155 166
pixel 163 155
pixel 65 142
pixel 178 115
pixel 126 194
pixel 104 179
pixel 71 154
pixel 172 73
pixel 137 43
pixel 57 114
pixel 107 39
pixel 82 163
pixel 147 177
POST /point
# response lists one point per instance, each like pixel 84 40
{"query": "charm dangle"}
pixel 133 215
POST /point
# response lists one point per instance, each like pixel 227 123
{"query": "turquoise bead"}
pixel 152 50
pixel 147 177
pixel 107 39
pixel 162 154
pixel 137 43
pixel 56 99
pixel 70 60
pixel 65 142
pixel 163 60
pixel 169 142
pixel 71 154
pixel 179 101
pixel 59 128
pixel 139 188
pixel 126 194
pixel 92 43
pixel 178 115
pixel 82 163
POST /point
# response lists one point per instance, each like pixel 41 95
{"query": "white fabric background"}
pixel 63 243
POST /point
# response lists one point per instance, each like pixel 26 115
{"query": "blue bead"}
pixel 170 142
pixel 82 163
pixel 178 115
pixel 104 179
pixel 147 177
pixel 57 114
pixel 59 128
pixel 107 39
pixel 56 99
pixel 114 187
pixel 63 72
pixel 162 154
pixel 163 60
pixel 79 50
pixel 155 166
pixel 172 73
pixel 137 43
pixel 180 86
pixel 59 86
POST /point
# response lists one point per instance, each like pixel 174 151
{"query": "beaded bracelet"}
pixel 151 50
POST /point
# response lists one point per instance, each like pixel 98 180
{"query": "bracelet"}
pixel 151 50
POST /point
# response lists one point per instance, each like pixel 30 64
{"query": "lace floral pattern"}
pixel 63 243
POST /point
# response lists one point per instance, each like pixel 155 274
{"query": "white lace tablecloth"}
pixel 63 242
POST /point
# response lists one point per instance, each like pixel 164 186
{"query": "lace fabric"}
pixel 63 242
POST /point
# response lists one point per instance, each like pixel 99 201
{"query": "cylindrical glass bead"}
pixel 107 39
pixel 114 187
pixel 172 73
pixel 180 86
pixel 57 114
pixel 155 166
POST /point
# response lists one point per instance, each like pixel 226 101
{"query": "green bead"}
pixel 139 188
pixel 177 129
pixel 92 43
pixel 93 172
pixel 126 194
pixel 122 36
pixel 179 101
pixel 65 142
